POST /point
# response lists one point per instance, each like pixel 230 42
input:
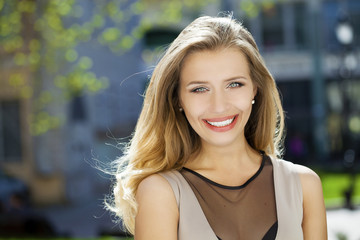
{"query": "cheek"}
pixel 193 106
pixel 243 104
pixel 245 108
pixel 192 112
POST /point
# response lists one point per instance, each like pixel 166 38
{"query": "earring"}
pixel 253 101
pixel 181 109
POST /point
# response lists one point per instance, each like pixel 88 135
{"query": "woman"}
pixel 202 163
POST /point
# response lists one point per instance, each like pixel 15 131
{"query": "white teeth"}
pixel 223 123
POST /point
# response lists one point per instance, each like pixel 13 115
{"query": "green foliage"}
pixel 42 37
pixel 334 185
pixel 341 236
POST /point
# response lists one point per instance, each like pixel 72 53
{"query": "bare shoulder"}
pixel 155 191
pixel 309 179
pixel 307 175
pixel 310 182
pixel 157 215
pixel 314 212
pixel 154 184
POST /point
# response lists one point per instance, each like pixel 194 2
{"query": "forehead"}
pixel 214 64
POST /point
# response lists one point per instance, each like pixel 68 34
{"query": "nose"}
pixel 218 102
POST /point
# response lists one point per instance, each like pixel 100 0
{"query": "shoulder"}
pixel 306 174
pixel 313 199
pixel 154 185
pixel 309 179
pixel 157 212
pixel 314 211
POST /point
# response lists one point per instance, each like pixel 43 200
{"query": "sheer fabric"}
pixel 241 212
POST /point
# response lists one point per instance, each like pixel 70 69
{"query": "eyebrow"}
pixel 196 82
pixel 226 80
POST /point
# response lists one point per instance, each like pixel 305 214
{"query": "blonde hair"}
pixel 163 139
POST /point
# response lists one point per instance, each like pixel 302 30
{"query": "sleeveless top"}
pixel 193 223
pixel 246 211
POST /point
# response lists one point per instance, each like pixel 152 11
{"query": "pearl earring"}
pixel 253 101
pixel 181 109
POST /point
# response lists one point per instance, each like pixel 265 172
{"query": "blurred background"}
pixel 72 75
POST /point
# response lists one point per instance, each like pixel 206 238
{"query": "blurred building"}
pixel 297 39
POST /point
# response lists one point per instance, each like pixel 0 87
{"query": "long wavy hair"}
pixel 163 138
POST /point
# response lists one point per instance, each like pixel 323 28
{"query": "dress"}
pixel 193 223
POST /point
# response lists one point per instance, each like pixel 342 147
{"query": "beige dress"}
pixel 288 194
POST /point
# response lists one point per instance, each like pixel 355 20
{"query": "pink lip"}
pixel 219 119
pixel 221 129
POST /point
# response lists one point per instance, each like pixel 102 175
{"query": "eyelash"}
pixel 231 85
pixel 199 90
pixel 238 84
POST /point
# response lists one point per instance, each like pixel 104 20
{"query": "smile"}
pixel 221 124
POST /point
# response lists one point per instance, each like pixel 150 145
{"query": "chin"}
pixel 222 142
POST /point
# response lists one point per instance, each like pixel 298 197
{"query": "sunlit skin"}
pixel 215 87
pixel 216 92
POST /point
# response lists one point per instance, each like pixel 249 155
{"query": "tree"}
pixel 42 36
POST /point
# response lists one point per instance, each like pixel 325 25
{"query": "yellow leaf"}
pixel 71 55
pixel 85 63
pixel 20 59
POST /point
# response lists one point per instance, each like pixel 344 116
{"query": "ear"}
pixel 180 105
pixel 254 91
pixel 179 100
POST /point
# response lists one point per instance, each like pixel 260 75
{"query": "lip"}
pixel 224 128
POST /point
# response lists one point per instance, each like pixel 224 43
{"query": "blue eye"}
pixel 199 90
pixel 235 85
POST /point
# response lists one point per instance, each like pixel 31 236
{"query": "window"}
pixel 354 12
pixel 331 11
pixel 10 138
pixel 156 40
pixel 77 109
pixel 296 102
pixel 159 37
pixel 273 33
pixel 300 24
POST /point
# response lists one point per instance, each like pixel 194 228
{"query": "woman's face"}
pixel 216 92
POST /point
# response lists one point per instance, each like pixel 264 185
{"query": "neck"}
pixel 226 157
